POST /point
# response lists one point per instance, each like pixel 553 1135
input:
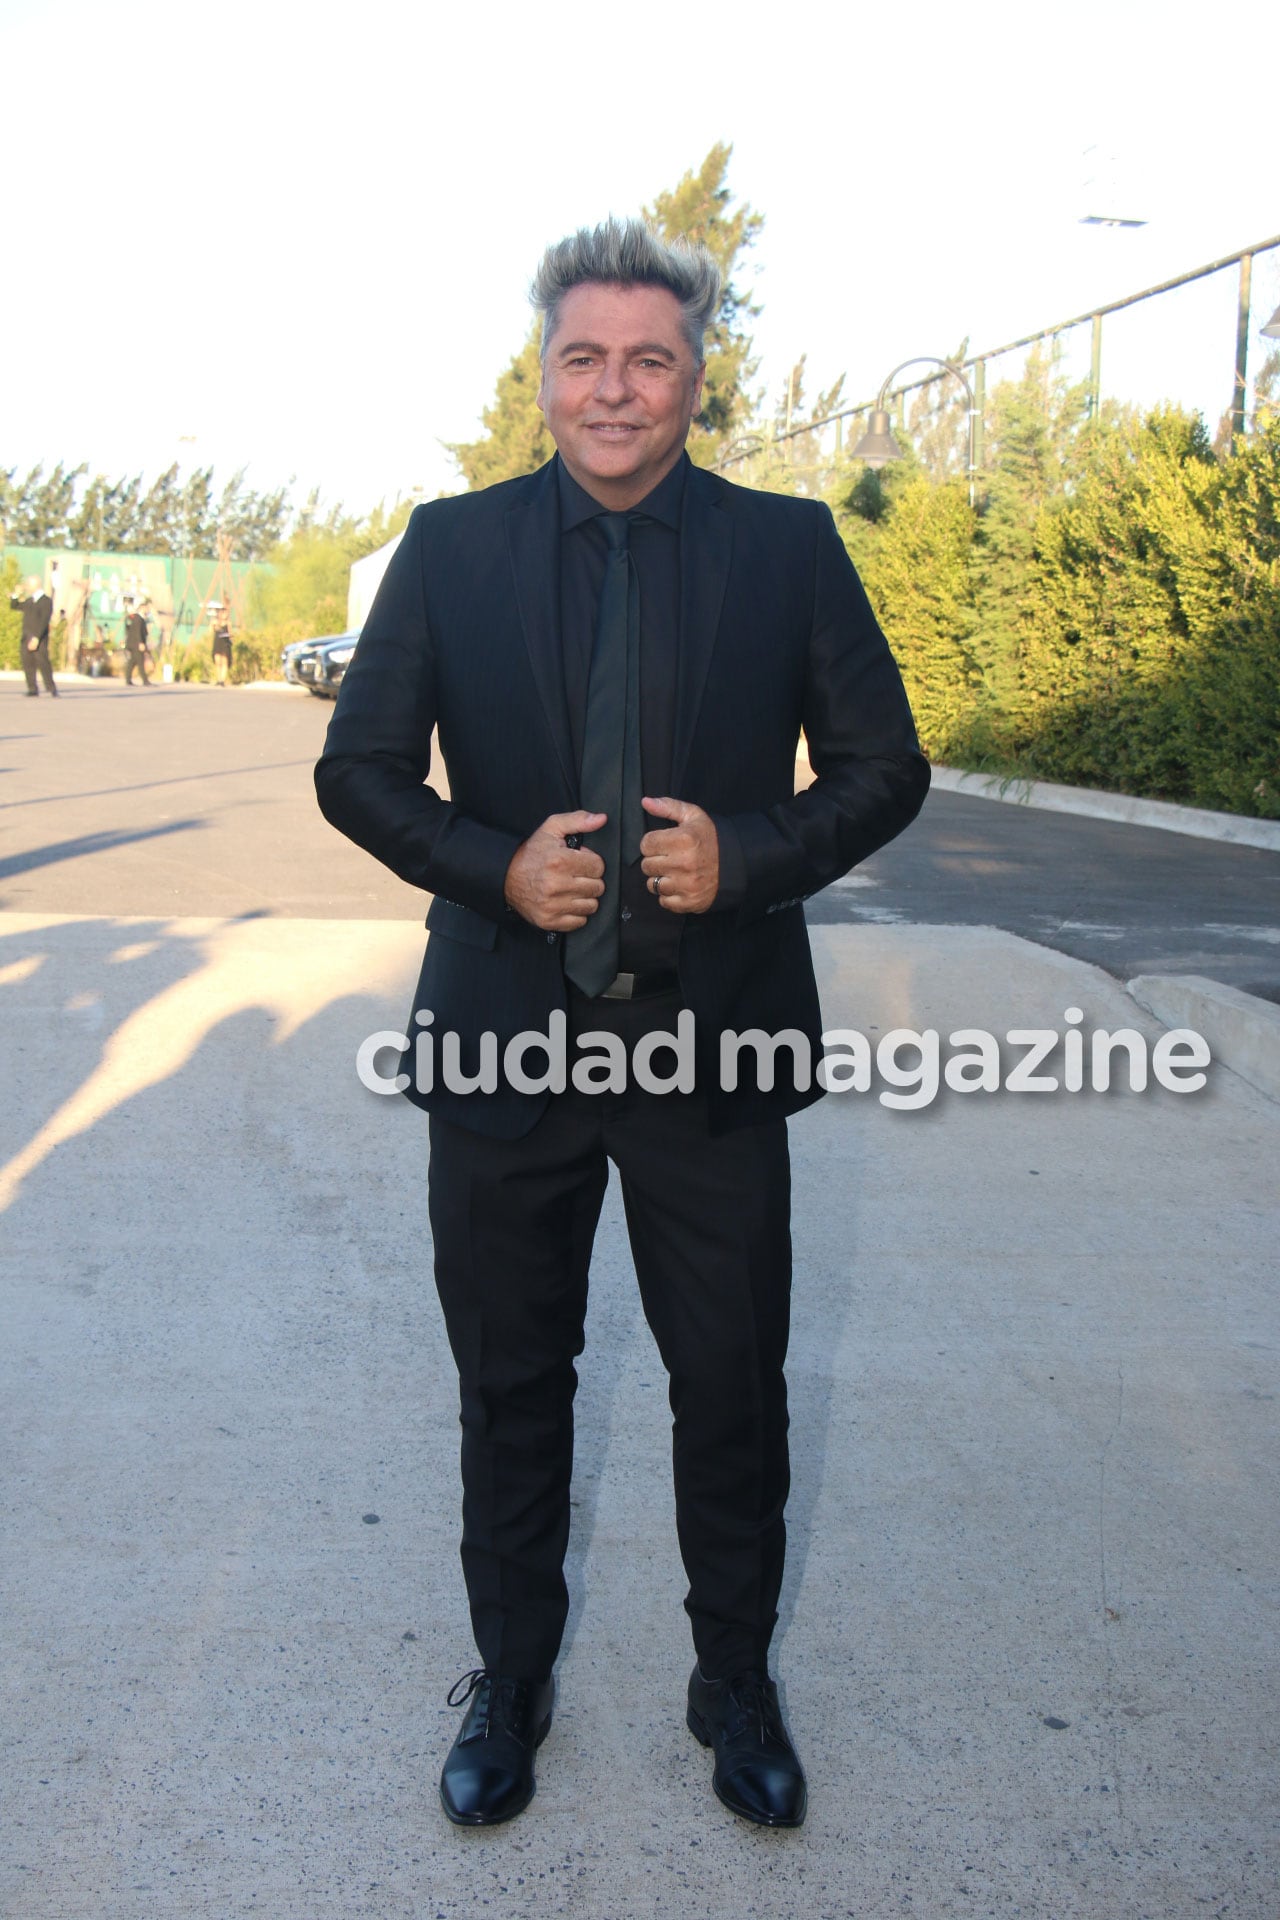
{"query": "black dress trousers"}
pixel 709 1223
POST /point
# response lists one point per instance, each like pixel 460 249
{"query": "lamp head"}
pixel 877 446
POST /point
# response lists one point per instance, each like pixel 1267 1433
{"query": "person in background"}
pixel 135 644
pixel 221 650
pixel 36 608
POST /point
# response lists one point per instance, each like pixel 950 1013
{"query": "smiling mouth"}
pixel 612 426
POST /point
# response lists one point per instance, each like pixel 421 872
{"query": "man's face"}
pixel 619 389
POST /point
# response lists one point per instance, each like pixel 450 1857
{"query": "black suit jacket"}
pixel 37 612
pixel 776 635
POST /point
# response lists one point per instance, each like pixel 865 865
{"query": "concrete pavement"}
pixel 1242 1030
pixel 1028 1635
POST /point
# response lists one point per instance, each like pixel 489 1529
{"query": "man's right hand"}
pixel 555 886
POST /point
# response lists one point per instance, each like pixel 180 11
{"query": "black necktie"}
pixel 611 781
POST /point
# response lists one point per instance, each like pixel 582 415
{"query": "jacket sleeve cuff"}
pixel 470 865
pixel 733 866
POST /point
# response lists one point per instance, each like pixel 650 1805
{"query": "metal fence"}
pixel 822 440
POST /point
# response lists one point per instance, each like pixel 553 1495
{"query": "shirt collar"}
pixel 662 504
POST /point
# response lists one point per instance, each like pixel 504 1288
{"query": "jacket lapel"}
pixel 706 549
pixel 533 547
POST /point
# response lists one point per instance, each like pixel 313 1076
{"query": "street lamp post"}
pixel 878 446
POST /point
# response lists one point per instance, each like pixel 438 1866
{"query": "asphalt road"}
pixel 197 801
pixel 1131 900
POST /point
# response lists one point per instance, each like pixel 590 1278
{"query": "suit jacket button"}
pixel 551 939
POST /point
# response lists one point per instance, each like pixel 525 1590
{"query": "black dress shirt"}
pixel 649 937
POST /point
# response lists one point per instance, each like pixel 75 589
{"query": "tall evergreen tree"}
pixel 1154 590
pixel 124 516
pixel 938 422
pixel 1032 453
pixel 107 515
pixel 917 575
pixel 305 589
pixel 252 522
pixel 515 436
pixel 37 511
pixel 158 518
pixel 699 209
pixel 788 452
pixel 195 511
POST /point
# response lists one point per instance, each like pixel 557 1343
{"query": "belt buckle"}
pixel 621 987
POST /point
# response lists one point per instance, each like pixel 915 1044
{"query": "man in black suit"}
pixel 37 613
pixel 620 652
pixel 135 644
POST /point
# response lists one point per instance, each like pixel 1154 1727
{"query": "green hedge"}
pixel 1117 626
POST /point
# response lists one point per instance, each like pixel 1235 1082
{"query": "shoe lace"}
pixel 750 1693
pixel 498 1704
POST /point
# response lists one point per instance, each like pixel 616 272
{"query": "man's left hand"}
pixel 684 859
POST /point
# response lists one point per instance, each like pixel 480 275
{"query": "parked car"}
pixel 306 663
pixel 291 656
pixel 334 659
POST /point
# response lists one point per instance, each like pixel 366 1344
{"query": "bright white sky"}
pixel 303 233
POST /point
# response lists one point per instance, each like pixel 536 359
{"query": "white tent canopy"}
pixel 366 578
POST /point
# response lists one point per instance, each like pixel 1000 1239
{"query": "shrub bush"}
pixel 1122 630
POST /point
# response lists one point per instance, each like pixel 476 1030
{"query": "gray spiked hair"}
pixel 627 253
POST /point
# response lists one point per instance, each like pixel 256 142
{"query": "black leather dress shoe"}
pixel 757 1773
pixel 488 1775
